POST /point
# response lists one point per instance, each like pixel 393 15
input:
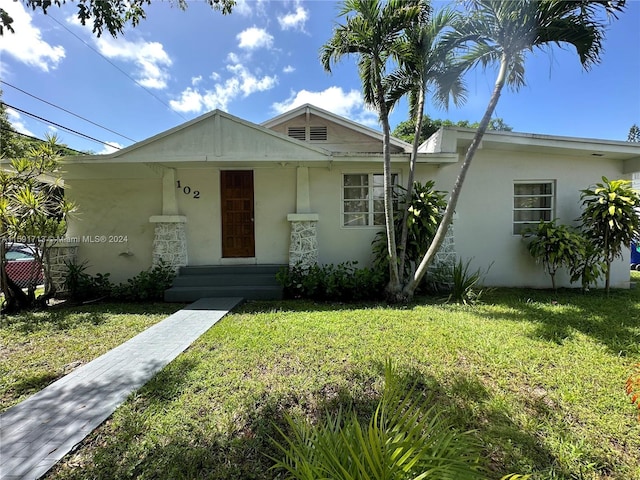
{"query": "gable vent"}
pixel 318 133
pixel 297 132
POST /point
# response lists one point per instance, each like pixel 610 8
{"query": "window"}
pixel 363 199
pixel 532 202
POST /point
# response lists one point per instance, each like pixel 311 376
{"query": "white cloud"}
pixel 16 121
pixel 196 80
pixel 289 69
pixel 27 45
pixel 110 148
pixel 346 104
pixel 241 83
pixel 254 37
pixel 150 58
pixel 295 20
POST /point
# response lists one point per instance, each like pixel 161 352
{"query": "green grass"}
pixel 37 348
pixel 538 377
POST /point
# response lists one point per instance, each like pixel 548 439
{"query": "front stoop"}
pixel 252 282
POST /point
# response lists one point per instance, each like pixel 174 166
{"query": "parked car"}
pixel 22 265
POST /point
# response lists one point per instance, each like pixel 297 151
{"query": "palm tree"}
pixel 370 31
pixel 424 62
pixel 502 32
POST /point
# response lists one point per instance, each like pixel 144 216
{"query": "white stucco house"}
pixel 305 186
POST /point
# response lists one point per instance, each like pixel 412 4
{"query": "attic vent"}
pixel 318 133
pixel 297 132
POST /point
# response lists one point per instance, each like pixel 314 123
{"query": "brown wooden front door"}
pixel 236 198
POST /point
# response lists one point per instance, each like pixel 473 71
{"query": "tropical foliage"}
pixel 32 207
pixel 495 32
pixel 554 246
pixel 406 439
pixel 610 218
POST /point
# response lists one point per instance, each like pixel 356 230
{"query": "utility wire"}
pixel 30 137
pixel 67 129
pixel 118 68
pixel 67 111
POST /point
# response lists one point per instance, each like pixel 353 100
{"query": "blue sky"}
pixel 262 60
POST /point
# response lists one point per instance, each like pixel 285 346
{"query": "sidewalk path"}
pixel 39 431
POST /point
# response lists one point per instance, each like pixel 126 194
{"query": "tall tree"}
pixel 111 15
pixel 634 134
pixel 405 130
pixel 424 63
pixel 370 31
pixel 502 32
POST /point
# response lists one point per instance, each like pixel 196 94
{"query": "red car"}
pixel 22 266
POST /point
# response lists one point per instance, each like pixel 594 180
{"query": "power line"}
pixel 67 129
pixel 31 137
pixel 67 111
pixel 118 68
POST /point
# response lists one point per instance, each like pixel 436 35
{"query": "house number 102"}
pixel 186 189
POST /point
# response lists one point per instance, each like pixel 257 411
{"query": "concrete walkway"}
pixel 38 432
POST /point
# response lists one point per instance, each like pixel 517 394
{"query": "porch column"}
pixel 170 236
pixel 303 247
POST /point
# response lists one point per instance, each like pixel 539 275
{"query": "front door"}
pixel 236 198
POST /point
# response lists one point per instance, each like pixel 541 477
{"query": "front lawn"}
pixel 37 348
pixel 538 377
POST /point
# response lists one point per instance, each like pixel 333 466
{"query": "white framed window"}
pixel 532 201
pixel 363 199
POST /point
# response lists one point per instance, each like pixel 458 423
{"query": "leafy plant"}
pixel 425 212
pixel 342 282
pixel 147 285
pixel 464 284
pixel 610 218
pixel 589 266
pixel 79 285
pixel 404 440
pixel 632 387
pixel 555 246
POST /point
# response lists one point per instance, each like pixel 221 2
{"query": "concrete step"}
pixel 190 294
pixel 252 282
pixel 225 279
pixel 230 269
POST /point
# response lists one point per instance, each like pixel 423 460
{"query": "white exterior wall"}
pixel 484 222
pixel 108 211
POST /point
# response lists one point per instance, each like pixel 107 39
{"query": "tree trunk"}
pixel 402 248
pixel 441 232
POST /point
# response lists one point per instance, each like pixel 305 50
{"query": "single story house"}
pixel 305 186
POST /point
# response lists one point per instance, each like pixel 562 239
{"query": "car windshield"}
pixel 18 255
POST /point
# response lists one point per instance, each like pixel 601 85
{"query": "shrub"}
pixel 464 284
pixel 403 440
pixel 79 285
pixel 342 282
pixel 146 286
pixel 555 246
pixel 633 387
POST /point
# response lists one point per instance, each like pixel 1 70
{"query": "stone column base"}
pixel 60 255
pixel 170 241
pixel 303 249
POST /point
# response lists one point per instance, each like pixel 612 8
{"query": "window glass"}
pixel 532 202
pixel 363 199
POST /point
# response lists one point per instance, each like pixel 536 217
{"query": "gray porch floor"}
pixel 39 431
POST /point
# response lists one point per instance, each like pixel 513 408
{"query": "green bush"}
pixel 148 285
pixel 464 284
pixel 342 282
pixel 405 439
pixel 80 286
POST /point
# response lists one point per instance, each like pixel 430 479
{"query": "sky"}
pixel 263 60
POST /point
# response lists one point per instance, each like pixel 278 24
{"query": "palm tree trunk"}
pixel 402 248
pixel 441 232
